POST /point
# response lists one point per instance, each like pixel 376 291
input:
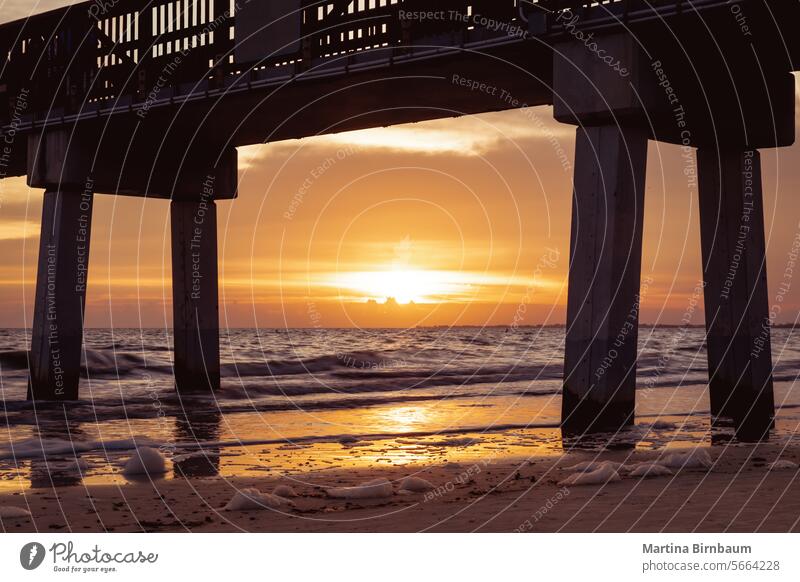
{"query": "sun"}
pixel 403 285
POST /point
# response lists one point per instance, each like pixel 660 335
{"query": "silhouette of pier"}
pixel 152 99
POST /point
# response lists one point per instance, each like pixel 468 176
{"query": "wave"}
pixel 365 365
pixel 94 363
pixel 312 370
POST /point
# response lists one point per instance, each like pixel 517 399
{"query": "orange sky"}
pixel 455 215
pixel 468 217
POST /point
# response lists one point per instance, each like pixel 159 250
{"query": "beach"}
pixel 737 493
pixel 473 411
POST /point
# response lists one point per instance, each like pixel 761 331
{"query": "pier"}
pixel 182 83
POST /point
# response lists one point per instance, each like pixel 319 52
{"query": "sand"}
pixel 738 494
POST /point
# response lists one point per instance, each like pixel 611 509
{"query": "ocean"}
pixel 311 399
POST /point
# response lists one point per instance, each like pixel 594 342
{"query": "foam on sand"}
pixel 416 485
pixel 11 512
pixel 782 465
pixel 145 461
pixel 590 466
pixel 606 473
pixel 691 459
pixel 375 489
pixel 650 470
pixel 42 448
pixel 284 491
pixel 253 499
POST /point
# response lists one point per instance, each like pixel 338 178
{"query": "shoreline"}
pixel 504 494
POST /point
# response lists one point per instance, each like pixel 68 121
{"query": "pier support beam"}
pixel 736 299
pixel 604 274
pixel 195 287
pixel 60 301
pixel 195 294
pixel 608 104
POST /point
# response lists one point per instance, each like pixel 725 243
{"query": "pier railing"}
pixel 118 53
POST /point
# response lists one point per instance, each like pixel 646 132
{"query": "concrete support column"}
pixel 604 274
pixel 60 294
pixel 736 299
pixel 610 102
pixel 195 294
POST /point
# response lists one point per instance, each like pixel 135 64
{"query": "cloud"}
pixel 14 192
pixel 429 139
pixel 19 229
pixel 16 9
pixel 471 135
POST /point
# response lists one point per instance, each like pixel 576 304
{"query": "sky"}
pixel 461 221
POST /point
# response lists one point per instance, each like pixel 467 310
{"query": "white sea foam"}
pixel 649 470
pixel 590 466
pixel 253 499
pixel 603 474
pixel 35 448
pixel 692 459
pixel 39 448
pixel 284 491
pixel 375 489
pixel 145 461
pixel 416 485
pixel 11 512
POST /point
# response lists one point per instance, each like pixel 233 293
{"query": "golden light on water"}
pixel 406 418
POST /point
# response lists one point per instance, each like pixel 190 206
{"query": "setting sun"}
pixel 405 285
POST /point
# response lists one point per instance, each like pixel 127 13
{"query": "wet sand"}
pixel 737 494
